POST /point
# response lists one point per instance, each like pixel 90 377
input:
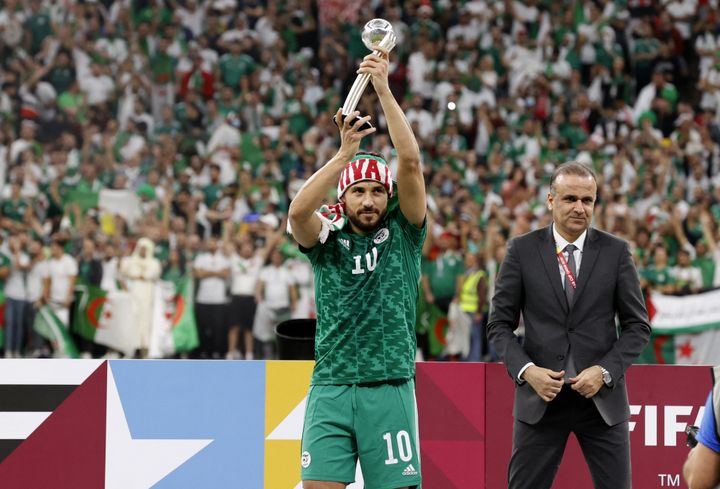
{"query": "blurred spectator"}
pixel 16 297
pixel 212 269
pixel 35 277
pixel 276 298
pixel 245 262
pixel 442 277
pixel 213 114
pixel 61 274
pixel 139 272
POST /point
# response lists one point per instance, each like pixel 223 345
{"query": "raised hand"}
pixel 350 131
pixel 376 65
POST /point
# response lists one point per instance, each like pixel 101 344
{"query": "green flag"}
pixel 174 329
pixel 50 327
pixel 184 328
pixel 105 318
pixel 85 199
pixel 660 349
pixel 431 320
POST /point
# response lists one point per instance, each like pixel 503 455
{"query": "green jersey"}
pixel 366 289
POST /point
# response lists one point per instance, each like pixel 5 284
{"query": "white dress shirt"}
pixel 560 244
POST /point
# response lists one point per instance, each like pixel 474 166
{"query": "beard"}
pixel 363 223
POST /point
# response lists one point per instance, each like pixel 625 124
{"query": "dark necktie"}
pixel 570 369
pixel 569 289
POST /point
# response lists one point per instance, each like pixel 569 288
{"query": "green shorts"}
pixel 375 423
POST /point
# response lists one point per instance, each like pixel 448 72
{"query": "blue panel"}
pixel 181 399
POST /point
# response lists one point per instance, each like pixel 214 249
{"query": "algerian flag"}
pixel 686 329
pixel 105 318
pixel 174 329
pixel 50 327
pixel 430 319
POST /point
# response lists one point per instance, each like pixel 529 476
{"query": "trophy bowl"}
pixel 375 33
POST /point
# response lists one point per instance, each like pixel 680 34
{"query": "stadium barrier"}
pixel 70 424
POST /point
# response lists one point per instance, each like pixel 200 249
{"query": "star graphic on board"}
pixel 685 350
pixel 139 463
pixel 107 314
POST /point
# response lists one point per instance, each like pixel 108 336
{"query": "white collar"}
pixel 561 242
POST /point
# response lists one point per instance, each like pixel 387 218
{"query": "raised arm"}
pixel 410 182
pixel 304 222
pixel 706 224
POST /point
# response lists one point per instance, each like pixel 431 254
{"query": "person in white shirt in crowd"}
pixel 59 285
pixel 139 273
pixel 301 271
pixel 245 262
pixel 15 297
pixel 212 269
pixel 276 297
pixel 34 278
pixel 97 86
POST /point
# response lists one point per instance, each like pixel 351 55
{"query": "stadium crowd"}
pixel 147 140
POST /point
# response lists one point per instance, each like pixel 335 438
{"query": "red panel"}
pixel 498 424
pixel 451 409
pixel 67 451
pixel 673 390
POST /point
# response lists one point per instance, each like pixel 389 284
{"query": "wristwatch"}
pixel 607 378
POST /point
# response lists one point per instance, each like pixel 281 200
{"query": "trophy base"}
pixel 365 125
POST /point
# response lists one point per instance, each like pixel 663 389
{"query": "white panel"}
pixel 19 425
pixel 48 371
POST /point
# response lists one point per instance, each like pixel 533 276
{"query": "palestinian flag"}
pixel 174 329
pixel 686 329
pixel 105 318
pixel 49 326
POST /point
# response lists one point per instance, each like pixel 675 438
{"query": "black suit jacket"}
pixel 529 282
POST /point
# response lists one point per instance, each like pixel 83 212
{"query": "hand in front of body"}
pixel 588 382
pixel 547 383
pixel 376 65
pixel 350 133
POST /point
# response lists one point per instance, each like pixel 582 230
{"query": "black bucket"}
pixel 296 339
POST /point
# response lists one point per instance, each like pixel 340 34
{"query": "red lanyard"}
pixel 566 269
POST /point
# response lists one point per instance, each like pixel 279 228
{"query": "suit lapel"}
pixel 589 257
pixel 546 248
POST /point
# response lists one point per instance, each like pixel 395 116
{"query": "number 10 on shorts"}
pixel 404 447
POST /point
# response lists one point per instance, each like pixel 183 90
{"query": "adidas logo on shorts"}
pixel 409 470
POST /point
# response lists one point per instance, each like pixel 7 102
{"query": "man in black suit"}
pixel 569 281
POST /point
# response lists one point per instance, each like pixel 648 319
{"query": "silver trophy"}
pixel 377 32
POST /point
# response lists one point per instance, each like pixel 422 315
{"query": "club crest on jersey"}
pixel 345 243
pixel 305 460
pixel 381 236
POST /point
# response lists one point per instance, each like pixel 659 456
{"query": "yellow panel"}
pixel 282 464
pixel 286 384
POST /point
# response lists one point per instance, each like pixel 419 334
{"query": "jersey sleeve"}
pixel 416 235
pixel 707 434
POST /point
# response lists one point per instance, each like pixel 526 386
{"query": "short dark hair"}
pixel 571 168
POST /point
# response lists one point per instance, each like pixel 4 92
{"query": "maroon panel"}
pixel 451 409
pixel 663 398
pixel 498 424
pixel 67 451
